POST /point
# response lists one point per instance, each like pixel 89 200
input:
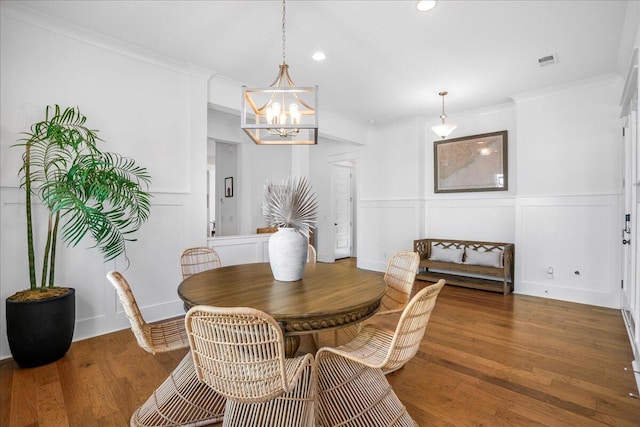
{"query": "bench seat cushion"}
pixel 469 268
pixel 484 258
pixel 446 254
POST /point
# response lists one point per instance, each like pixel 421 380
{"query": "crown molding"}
pixel 602 80
pixel 14 10
pixel 200 72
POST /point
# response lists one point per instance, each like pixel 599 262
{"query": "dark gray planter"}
pixel 40 332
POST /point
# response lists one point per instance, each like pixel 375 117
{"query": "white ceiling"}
pixel 385 60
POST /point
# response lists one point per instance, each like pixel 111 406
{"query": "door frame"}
pixel 352 214
pixel 630 266
pixel 326 242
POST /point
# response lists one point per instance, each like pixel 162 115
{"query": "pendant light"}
pixel 282 113
pixel 443 130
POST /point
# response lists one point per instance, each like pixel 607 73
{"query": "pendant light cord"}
pixel 284 38
pixel 443 115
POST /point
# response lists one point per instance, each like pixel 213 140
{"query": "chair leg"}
pixel 371 401
pixel 293 409
pixel 181 400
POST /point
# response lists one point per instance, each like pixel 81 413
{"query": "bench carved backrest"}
pixel 423 247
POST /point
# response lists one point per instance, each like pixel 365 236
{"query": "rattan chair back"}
pixel 399 278
pixel 156 337
pixel 381 348
pixel 411 326
pixel 238 351
pixel 198 259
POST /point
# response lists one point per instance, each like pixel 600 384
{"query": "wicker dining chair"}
pixel 181 400
pixel 381 348
pixel 399 277
pixel 357 369
pixel 156 337
pixel 198 259
pixel 312 257
pixel 239 352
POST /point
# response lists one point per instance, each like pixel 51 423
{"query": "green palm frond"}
pixel 291 204
pixel 101 195
pixel 92 192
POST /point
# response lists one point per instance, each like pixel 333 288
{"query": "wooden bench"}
pixel 458 261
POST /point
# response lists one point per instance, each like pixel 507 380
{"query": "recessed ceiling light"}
pixel 426 5
pixel 319 56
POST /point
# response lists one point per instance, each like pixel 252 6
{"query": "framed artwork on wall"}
pixel 471 163
pixel 228 187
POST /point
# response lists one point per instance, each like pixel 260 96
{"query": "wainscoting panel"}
pixel 568 248
pixel 392 225
pixel 234 250
pixel 152 268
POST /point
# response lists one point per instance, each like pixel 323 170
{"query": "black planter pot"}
pixel 40 332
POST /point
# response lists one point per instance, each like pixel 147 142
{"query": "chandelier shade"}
pixel 283 113
pixel 443 130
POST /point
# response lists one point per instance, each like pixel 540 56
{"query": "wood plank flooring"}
pixel 486 360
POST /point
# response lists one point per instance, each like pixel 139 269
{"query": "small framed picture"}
pixel 228 187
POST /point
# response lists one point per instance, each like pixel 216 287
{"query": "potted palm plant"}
pixel 84 191
pixel 292 207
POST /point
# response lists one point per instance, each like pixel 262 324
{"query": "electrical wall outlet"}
pixel 550 273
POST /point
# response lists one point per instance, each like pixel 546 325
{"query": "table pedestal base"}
pixel 291 344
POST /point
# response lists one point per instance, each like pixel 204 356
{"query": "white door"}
pixel 342 208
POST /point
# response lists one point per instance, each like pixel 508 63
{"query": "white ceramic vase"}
pixel 288 254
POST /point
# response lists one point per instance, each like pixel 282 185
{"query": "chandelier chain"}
pixel 284 38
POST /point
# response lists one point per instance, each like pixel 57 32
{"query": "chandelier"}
pixel 282 113
pixel 443 130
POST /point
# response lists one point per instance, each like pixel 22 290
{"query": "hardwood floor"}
pixel 486 359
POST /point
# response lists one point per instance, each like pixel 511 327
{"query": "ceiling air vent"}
pixel 548 60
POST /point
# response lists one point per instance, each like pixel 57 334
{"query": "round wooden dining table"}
pixel 329 296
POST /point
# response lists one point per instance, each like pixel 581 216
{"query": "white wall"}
pixel 146 107
pixel 566 139
pixel 390 212
pixel 568 213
